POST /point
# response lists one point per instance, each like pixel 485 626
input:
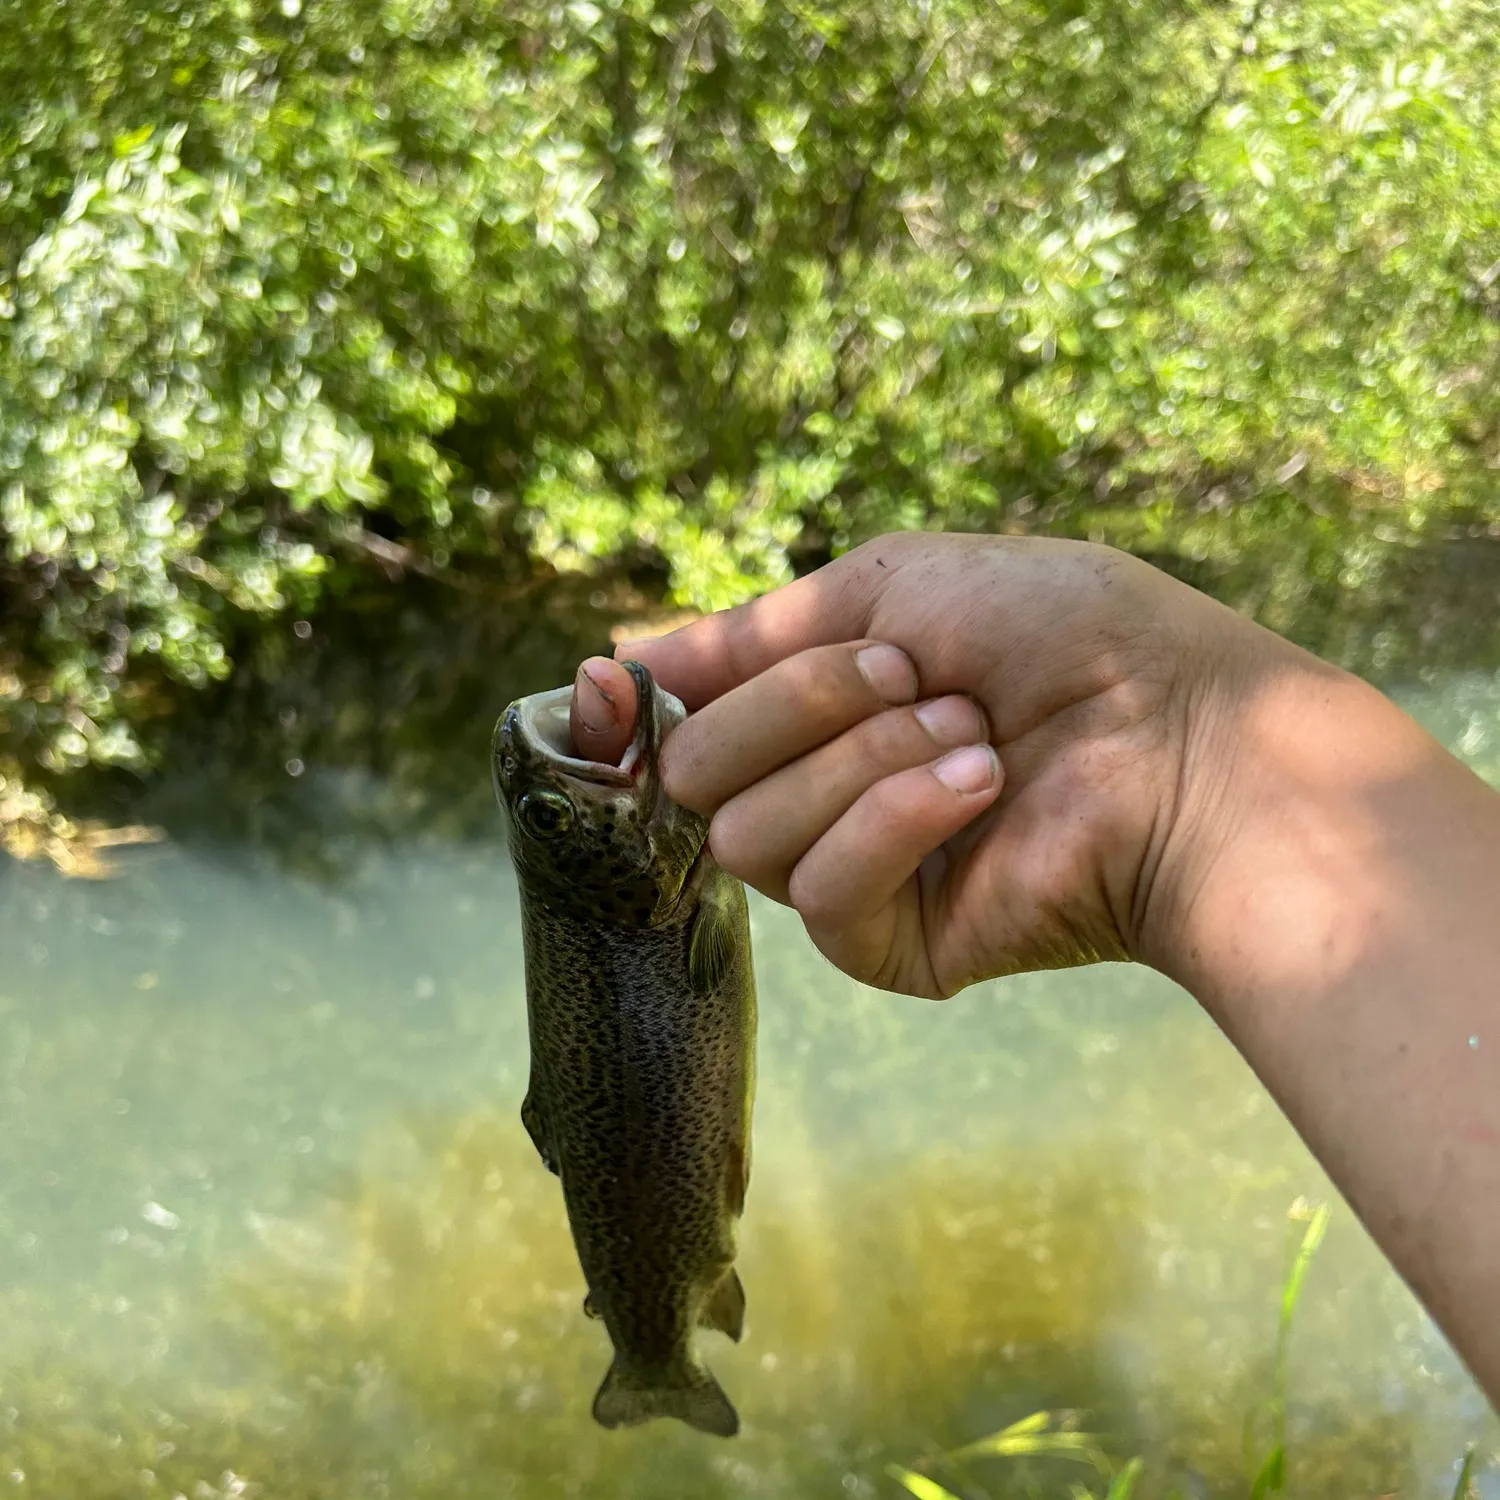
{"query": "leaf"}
pixel 919 1485
pixel 1313 1237
pixel 133 140
pixel 1463 1489
pixel 1122 1486
pixel 1031 1437
pixel 1272 1474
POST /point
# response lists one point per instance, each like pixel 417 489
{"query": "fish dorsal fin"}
pixel 711 947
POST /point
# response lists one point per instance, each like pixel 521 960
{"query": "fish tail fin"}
pixel 686 1391
pixel 725 1310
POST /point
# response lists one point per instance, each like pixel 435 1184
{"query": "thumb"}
pixel 601 718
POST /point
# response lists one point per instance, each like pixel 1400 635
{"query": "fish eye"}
pixel 545 813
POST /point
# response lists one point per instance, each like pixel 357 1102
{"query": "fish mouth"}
pixel 542 721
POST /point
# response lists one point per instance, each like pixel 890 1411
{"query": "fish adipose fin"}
pixel 711 947
pixel 687 1392
pixel 531 1118
pixel 725 1310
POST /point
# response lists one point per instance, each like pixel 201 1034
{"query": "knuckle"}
pixel 887 805
pixel 891 740
pixel 819 679
pixel 731 843
pixel 814 899
pixel 739 844
pixel 677 767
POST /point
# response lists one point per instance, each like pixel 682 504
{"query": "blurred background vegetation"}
pixel 431 310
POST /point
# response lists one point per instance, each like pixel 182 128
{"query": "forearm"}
pixel 1339 916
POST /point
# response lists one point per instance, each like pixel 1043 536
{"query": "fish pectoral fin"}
pixel 711 947
pixel 536 1128
pixel 686 1391
pixel 591 1308
pixel 725 1310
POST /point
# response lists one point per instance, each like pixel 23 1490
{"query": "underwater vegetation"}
pixel 421 1337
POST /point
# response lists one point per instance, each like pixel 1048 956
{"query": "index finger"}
pixel 704 660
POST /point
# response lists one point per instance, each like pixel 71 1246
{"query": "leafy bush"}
pixel 285 291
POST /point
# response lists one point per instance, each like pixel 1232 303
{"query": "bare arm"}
pixel 1144 774
pixel 1337 911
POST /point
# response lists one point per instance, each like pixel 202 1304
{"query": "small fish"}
pixel 640 997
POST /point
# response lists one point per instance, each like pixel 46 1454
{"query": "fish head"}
pixel 602 840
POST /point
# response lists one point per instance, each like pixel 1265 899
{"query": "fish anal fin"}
pixel 725 1310
pixel 536 1128
pixel 686 1391
pixel 711 947
pixel 737 1177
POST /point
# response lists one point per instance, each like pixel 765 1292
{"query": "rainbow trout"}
pixel 641 1003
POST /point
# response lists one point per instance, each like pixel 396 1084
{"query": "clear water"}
pixel 269 1223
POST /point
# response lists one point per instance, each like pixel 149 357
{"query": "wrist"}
pixel 1280 869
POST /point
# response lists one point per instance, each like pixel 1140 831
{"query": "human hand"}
pixel 1173 784
pixel 955 756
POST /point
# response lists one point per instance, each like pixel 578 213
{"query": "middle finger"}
pixel 761 834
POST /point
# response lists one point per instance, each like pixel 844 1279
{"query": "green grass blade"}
pixel 1075 1445
pixel 1038 1421
pixel 1122 1486
pixel 1462 1490
pixel 1313 1237
pixel 1272 1475
pixel 1030 1438
pixel 1271 1478
pixel 919 1484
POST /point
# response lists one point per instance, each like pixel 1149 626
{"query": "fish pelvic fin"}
pixel 686 1391
pixel 711 948
pixel 725 1310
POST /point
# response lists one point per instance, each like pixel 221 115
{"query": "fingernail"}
pixel 951 721
pixel 889 672
pixel 596 710
pixel 972 769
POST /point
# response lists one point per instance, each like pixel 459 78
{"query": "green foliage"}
pixel 1039 1435
pixel 1270 1478
pixel 285 290
pixel 1463 1488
